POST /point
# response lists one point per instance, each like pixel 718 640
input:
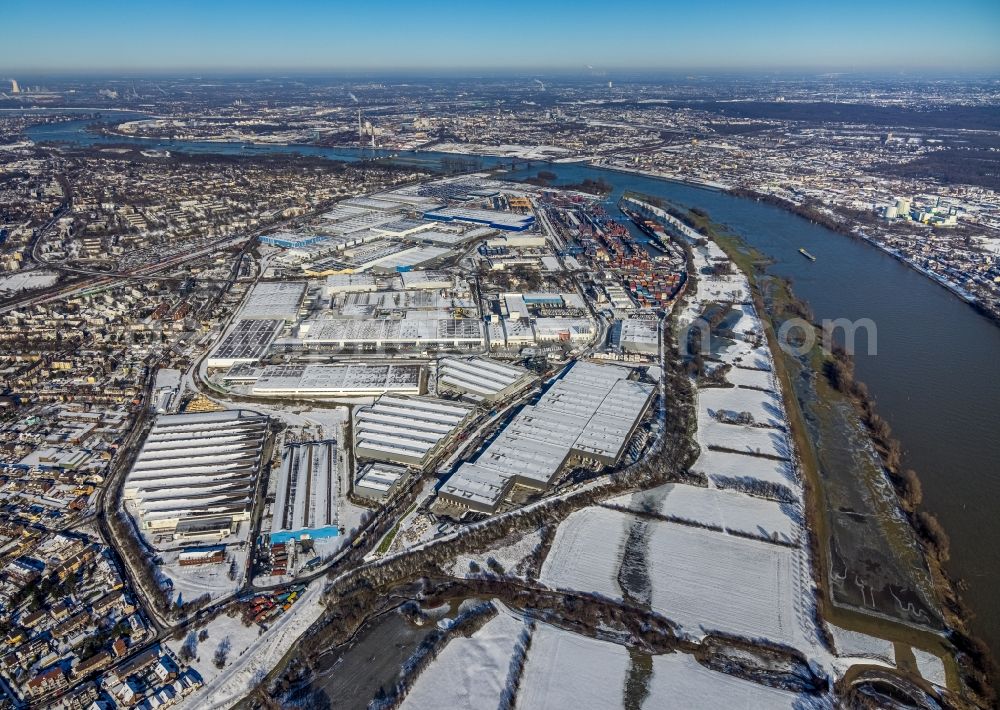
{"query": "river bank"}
pixel 843 229
pixel 823 409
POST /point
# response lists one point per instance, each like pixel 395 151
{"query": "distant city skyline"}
pixel 449 36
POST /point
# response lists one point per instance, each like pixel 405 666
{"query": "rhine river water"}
pixel 934 374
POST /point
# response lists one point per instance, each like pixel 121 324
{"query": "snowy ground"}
pixel 701 579
pixel 318 422
pixel 512 558
pixel 415 527
pixel 709 581
pixel 469 672
pixel 678 675
pixel 27 280
pixel 586 552
pixel 570 672
pixel 251 654
pixel 764 407
pixel 742 355
pixel 931 667
pixel 743 439
pixel 855 643
pixel 730 465
pixel 193 581
pixel 749 322
pixel 724 509
pixel 744 377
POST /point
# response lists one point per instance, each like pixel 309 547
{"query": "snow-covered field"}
pixel 679 676
pixel 586 552
pixel 730 465
pixel 764 407
pixel 931 667
pixel 748 322
pixel 744 439
pixel 570 672
pixel 469 672
pixel 709 581
pixel 702 580
pixel 745 377
pixel 742 355
pixel 27 280
pixel 724 509
pixel 855 643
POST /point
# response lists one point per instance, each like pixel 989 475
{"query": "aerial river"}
pixel 933 375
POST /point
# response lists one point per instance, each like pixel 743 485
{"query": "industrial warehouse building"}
pixel 355 305
pixel 482 379
pixel 452 238
pixel 507 221
pixel 379 480
pixel 407 430
pixel 274 300
pixel 589 413
pixel 566 329
pixel 517 241
pixel 165 389
pixel 637 336
pixel 287 240
pixel 305 501
pixel 409 332
pixel 430 280
pixel 403 227
pixel 349 283
pixel 245 343
pixel 195 475
pixel 355 380
pixel 388 257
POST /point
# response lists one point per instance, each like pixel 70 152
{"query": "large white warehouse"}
pixel 407 430
pixel 195 475
pixel 410 332
pixel 481 378
pixel 355 380
pixel 589 413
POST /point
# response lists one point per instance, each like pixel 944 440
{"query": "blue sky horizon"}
pixel 451 37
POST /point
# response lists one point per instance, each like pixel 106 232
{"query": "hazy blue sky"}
pixel 219 34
